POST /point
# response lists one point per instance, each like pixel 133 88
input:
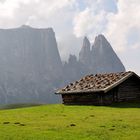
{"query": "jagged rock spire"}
pixel 84 55
pixel 104 58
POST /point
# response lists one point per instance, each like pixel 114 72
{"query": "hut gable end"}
pixel 129 89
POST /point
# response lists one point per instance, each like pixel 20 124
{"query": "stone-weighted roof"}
pixel 96 83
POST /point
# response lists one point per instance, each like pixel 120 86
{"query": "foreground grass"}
pixel 59 122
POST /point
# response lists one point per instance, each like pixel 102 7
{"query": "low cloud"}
pixel 42 13
pixel 87 23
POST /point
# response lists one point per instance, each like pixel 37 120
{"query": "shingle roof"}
pixel 96 83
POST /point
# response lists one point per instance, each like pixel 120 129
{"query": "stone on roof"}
pixel 95 83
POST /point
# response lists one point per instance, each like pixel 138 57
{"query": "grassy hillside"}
pixel 59 122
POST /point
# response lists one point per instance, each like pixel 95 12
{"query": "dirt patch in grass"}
pixel 6 122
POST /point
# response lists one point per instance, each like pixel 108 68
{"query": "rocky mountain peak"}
pixel 100 36
pixel 86 43
pixel 84 55
pixel 104 57
pixel 72 59
pixel 100 41
pixel 25 26
pixel 50 30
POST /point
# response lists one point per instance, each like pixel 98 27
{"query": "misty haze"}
pixel 31 69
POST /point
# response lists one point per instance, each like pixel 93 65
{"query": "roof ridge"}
pixel 98 82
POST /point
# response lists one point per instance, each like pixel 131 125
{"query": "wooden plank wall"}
pixel 129 90
pixel 81 99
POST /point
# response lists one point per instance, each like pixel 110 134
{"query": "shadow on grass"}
pixel 125 104
pixel 132 104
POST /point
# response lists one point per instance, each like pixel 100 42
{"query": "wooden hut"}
pixel 102 89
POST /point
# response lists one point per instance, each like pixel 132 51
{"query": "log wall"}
pixel 129 89
pixel 81 99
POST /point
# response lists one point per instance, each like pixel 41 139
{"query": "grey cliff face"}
pixel 29 63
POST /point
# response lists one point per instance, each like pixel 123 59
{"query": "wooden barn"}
pixel 102 89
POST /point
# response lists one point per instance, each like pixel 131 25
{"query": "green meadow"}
pixel 60 122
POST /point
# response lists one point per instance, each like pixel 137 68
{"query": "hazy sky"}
pixel 118 20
